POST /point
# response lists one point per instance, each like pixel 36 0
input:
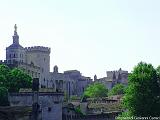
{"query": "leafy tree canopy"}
pixel 4 75
pixel 96 90
pixel 18 79
pixel 118 89
pixel 12 81
pixel 142 96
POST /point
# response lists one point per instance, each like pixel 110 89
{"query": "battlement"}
pixel 38 48
pixel 117 71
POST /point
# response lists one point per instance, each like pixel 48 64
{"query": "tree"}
pixel 18 79
pixel 118 89
pixel 142 96
pixel 96 90
pixel 12 81
pixel 4 74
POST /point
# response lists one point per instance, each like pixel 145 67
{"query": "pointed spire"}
pixel 95 77
pixel 15 29
pixel 15 36
pixel 55 69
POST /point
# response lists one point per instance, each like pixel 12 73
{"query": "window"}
pixel 49 109
pixel 32 63
pixel 38 74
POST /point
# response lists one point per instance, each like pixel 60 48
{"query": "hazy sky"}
pixel 88 35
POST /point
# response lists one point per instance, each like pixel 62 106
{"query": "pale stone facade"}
pixel 113 78
pixel 36 62
pixel 71 81
pixel 39 56
pixel 33 60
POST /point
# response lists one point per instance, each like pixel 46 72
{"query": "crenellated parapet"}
pixel 38 49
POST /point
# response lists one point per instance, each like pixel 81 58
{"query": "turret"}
pixel 95 77
pixel 40 56
pixel 15 52
pixel 15 36
pixel 55 69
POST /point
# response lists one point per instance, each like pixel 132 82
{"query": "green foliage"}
pixel 19 79
pixel 96 90
pixel 4 75
pixel 78 110
pixel 117 90
pixel 4 69
pixel 12 81
pixel 142 95
pixel 125 116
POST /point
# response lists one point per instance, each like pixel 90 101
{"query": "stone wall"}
pixel 50 103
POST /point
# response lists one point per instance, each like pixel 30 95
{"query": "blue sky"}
pixel 88 35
